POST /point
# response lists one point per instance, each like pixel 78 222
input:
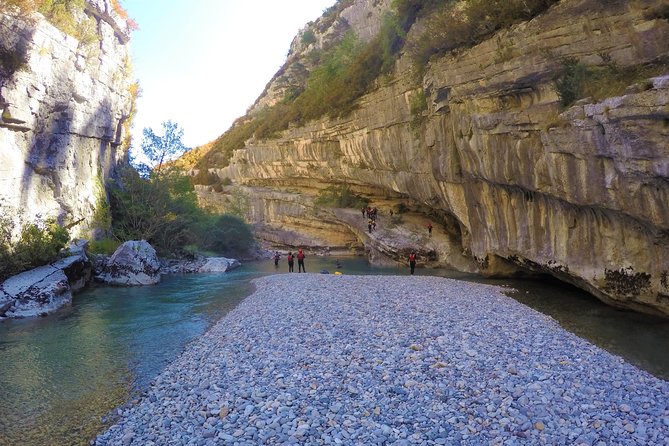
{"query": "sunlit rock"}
pixel 218 265
pixel 62 109
pixel 45 289
pixel 134 263
pixel 519 184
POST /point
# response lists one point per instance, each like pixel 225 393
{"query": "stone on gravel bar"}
pixel 315 359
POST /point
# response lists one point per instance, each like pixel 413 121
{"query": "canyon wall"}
pixel 514 182
pixel 64 104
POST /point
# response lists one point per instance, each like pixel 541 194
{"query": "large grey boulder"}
pixel 45 289
pixel 133 263
pixel 218 265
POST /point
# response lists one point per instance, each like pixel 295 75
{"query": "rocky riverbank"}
pixel 322 359
pixel 48 288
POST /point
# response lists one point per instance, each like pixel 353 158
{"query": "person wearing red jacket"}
pixel 412 262
pixel 291 262
pixel 300 262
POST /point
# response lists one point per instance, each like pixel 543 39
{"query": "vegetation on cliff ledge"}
pixel 66 15
pixel 72 17
pixel 348 70
pixel 575 80
pixel 454 24
pixel 341 197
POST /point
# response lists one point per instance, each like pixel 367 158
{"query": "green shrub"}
pixel 340 197
pixel 163 210
pixel 225 234
pixel 38 245
pixel 205 177
pixel 417 106
pixel 102 218
pixel 570 81
pixel 308 37
pixel 105 246
pixel 160 209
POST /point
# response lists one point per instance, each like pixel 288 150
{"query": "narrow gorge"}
pixel 514 181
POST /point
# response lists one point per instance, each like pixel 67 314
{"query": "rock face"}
pixel 363 17
pixel 63 106
pixel 512 180
pixel 133 263
pixel 46 289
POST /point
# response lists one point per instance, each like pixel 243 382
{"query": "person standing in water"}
pixel 300 262
pixel 290 262
pixel 277 256
pixel 412 262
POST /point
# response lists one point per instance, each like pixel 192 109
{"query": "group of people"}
pixel 367 212
pixel 371 214
pixel 291 261
pixel 300 261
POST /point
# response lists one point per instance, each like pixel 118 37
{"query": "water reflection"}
pixel 60 374
pixel 642 340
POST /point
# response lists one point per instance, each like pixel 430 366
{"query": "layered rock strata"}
pixel 63 104
pixel 520 183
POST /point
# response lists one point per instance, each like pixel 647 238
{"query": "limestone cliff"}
pixel 63 103
pixel 363 17
pixel 516 182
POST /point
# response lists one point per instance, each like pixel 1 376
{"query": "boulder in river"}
pixel 133 263
pixel 218 264
pixel 199 265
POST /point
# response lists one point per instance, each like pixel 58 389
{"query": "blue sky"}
pixel 202 63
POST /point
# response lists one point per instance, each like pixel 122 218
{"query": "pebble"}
pixel 392 360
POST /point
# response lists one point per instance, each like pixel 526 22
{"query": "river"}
pixel 61 374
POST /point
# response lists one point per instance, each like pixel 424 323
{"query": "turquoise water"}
pixel 60 375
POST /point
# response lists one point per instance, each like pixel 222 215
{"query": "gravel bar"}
pixel 314 359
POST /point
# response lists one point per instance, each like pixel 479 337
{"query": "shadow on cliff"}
pixel 60 157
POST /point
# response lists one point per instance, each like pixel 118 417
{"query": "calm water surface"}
pixel 59 375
